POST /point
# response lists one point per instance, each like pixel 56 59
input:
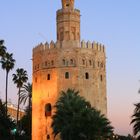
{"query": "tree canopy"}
pixel 76 119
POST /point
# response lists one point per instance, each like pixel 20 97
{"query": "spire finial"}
pixel 68 4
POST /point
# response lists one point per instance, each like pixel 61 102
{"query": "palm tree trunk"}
pixel 18 108
pixel 6 91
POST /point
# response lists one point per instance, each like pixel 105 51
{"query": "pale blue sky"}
pixel 115 23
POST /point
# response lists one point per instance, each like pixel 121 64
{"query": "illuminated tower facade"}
pixel 66 63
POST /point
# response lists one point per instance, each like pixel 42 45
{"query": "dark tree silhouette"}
pixel 7 63
pixel 6 124
pixel 75 119
pixel 2 48
pixel 19 79
pixel 136 121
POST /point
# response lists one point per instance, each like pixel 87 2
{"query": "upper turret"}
pixel 68 22
pixel 68 4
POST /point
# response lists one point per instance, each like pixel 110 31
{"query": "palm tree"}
pixel 26 94
pixel 76 119
pixel 8 63
pixel 2 48
pixel 136 120
pixel 19 79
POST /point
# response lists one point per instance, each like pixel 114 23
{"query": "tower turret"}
pixel 68 4
pixel 68 22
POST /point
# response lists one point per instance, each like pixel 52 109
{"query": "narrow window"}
pixel 67 75
pixel 61 36
pixel 86 75
pixel 83 62
pixel 98 64
pixel 52 62
pixel 71 61
pixel 102 65
pixel 90 63
pixel 48 77
pixel 94 64
pixel 48 110
pixel 48 137
pixel 38 66
pixel 67 5
pixel 46 63
pixel 101 78
pixel 67 36
pixel 64 62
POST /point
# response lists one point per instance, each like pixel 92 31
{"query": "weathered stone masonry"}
pixel 67 63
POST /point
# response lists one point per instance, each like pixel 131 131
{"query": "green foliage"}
pixel 19 79
pixel 7 63
pixel 2 48
pixel 26 124
pixel 6 124
pixel 26 121
pixel 76 119
pixel 26 94
pixel 136 121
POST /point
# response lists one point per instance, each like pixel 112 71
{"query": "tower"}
pixel 66 63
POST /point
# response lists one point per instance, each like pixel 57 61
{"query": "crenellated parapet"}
pixel 93 45
pixel 45 47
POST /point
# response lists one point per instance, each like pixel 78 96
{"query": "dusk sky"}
pixel 114 23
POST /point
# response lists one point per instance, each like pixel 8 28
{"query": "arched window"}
pixel 71 61
pixel 86 75
pixel 48 137
pixel 48 110
pixel 48 77
pixel 101 78
pixel 67 75
pixel 83 61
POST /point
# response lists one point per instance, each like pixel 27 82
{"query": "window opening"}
pixel 67 75
pixel 48 77
pixel 48 109
pixel 86 75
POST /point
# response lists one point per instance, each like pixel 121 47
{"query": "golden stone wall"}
pixel 68 63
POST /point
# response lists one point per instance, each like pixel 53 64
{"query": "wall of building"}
pixel 78 59
pixel 68 63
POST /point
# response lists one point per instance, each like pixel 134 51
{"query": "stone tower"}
pixel 67 63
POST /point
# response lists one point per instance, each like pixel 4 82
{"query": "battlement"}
pixel 55 45
pixel 47 46
pixel 93 45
